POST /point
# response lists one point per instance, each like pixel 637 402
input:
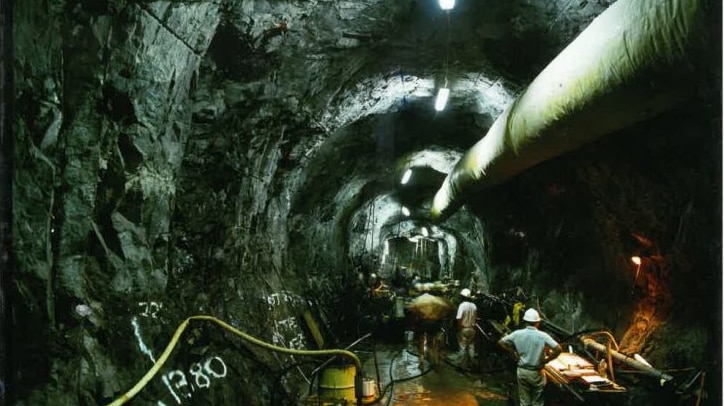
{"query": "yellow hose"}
pixel 174 340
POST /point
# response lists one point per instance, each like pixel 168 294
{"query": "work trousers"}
pixel 530 387
pixel 466 341
pixel 428 335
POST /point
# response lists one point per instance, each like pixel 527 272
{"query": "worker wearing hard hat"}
pixel 528 345
pixel 466 318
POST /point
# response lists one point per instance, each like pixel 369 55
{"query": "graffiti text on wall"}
pixel 200 376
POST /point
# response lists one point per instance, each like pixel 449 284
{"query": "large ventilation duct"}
pixel 637 59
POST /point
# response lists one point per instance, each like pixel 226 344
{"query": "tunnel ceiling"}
pixel 366 73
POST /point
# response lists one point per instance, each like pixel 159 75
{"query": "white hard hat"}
pixel 531 316
pixel 465 292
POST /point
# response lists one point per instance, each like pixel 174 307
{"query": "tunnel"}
pixel 243 202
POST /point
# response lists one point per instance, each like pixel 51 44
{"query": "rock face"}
pixel 242 159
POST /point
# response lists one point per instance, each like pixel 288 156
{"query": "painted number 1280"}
pixel 201 375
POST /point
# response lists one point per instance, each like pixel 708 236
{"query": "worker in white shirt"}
pixel 466 318
pixel 529 345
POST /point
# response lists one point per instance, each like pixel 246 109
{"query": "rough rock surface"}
pixel 242 159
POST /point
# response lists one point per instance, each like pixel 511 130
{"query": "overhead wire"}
pixel 447 46
pixel 391 385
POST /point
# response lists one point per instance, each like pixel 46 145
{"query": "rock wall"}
pixel 565 232
pixel 181 158
pixel 103 114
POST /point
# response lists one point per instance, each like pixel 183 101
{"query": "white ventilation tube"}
pixel 635 60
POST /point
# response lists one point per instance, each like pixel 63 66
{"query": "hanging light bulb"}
pixel 441 100
pixel 406 176
pixel 405 211
pixel 447 4
pixel 636 260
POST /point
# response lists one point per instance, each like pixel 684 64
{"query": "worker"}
pixel 427 314
pixel 528 346
pixel 466 318
pixel 377 288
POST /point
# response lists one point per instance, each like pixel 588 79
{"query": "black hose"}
pixel 392 379
pixel 377 368
pixel 411 377
pixel 390 386
pixel 278 380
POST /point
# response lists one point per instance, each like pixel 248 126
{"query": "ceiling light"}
pixel 441 100
pixel 406 176
pixel 636 260
pixel 405 211
pixel 447 4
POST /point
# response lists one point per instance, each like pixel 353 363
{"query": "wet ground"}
pixel 404 381
pixel 400 379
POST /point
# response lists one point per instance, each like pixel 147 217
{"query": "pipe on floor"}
pixel 635 60
pixel 625 359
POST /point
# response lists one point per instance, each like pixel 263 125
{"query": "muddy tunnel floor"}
pixel 443 383
pixel 397 377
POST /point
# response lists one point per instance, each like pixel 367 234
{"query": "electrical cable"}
pixel 357 341
pixel 392 380
pixel 316 371
pixel 447 46
pixel 390 385
pixel 411 377
pixel 278 378
pixel 377 367
pixel 382 392
pixel 177 335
